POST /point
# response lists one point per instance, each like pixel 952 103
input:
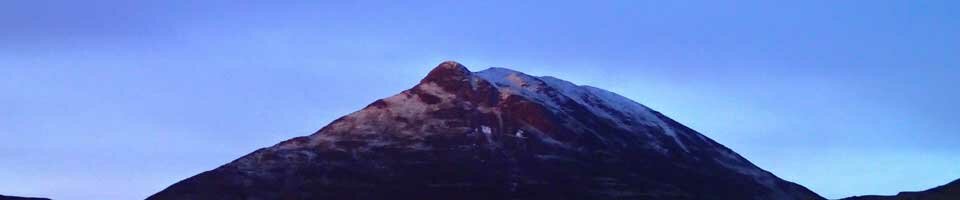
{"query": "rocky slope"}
pixel 950 191
pixel 494 134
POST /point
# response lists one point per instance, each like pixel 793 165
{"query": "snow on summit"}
pixel 599 101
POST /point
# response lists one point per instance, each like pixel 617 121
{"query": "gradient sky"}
pixel 119 99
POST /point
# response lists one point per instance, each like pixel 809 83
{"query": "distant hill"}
pixel 950 191
pixel 20 198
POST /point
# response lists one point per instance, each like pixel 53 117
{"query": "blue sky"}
pixel 118 99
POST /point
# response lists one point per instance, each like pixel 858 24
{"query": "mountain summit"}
pixel 494 134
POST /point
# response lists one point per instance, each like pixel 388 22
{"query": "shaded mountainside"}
pixel 494 134
pixel 950 191
pixel 20 198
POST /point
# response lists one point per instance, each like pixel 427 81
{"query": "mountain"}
pixel 20 198
pixel 494 134
pixel 950 191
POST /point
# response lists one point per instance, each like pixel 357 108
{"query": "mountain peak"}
pixel 449 75
pixel 447 70
pixel 451 64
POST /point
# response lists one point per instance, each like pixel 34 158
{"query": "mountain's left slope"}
pixel 494 134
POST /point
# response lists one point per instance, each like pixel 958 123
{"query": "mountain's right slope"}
pixel 494 134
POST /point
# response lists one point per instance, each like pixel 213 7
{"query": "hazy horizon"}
pixel 118 100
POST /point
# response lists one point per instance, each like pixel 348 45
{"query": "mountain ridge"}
pixel 494 134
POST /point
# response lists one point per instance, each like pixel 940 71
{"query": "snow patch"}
pixel 405 104
pixel 473 83
pixel 516 80
pixel 486 129
pixel 436 90
pixel 487 135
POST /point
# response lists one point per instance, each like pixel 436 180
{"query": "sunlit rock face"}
pixel 494 134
